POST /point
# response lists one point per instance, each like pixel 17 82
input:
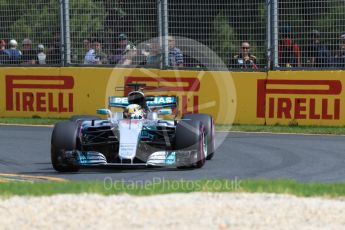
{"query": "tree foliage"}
pixel 37 19
pixel 224 38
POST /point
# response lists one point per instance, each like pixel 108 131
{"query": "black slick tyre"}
pixel 63 143
pixel 208 122
pixel 191 136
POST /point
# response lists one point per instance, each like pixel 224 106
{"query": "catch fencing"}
pixel 308 34
pixel 256 35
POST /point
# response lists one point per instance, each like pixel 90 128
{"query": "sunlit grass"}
pixel 280 186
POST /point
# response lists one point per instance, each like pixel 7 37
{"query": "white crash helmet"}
pixel 134 111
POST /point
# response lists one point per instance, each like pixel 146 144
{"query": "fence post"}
pixel 65 36
pixel 67 33
pixel 165 31
pixel 275 31
pixel 62 32
pixel 160 26
pixel 268 36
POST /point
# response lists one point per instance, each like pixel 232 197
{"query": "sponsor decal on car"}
pixel 170 158
pixel 162 101
pixel 157 101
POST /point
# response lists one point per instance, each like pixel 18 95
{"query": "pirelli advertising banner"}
pixel 62 92
pixel 291 97
pixel 302 97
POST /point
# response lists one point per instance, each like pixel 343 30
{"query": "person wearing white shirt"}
pixel 91 58
pixel 41 56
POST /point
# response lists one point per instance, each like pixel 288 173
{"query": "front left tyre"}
pixel 208 122
pixel 64 146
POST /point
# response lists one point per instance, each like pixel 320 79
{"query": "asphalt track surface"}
pixel 26 150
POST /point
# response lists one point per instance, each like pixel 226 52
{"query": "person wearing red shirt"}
pixel 289 51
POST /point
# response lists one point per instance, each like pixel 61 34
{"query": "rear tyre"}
pixel 191 136
pixel 79 118
pixel 63 146
pixel 208 122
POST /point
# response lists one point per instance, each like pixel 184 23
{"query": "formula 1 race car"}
pixel 134 137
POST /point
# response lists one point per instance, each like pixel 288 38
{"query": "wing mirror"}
pixel 104 112
pixel 165 112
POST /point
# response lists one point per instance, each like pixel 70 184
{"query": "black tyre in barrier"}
pixel 63 143
pixel 208 122
pixel 190 135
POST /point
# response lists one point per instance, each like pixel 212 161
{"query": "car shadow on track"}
pixel 104 170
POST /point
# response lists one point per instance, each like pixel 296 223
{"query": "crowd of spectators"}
pixel 26 55
pixel 126 53
pixel 315 54
pixel 290 54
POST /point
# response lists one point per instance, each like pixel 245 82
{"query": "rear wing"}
pixel 153 102
pixel 118 102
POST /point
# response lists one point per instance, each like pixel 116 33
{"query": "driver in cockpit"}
pixel 134 111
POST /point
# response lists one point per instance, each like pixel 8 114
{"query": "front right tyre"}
pixel 63 147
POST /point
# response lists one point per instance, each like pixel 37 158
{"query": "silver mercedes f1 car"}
pixel 135 137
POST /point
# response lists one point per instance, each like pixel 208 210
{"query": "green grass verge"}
pixel 165 187
pixel 284 129
pixel 242 128
pixel 30 121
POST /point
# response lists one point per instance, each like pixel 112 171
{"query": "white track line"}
pixel 27 125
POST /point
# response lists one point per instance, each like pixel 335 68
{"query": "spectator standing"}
pixel 87 44
pixel 54 52
pixel 3 54
pixel 139 56
pixel 29 55
pixel 90 57
pixel 103 58
pixel 41 56
pixel 154 59
pixel 125 52
pixel 2 45
pixel 129 56
pixel 85 49
pixel 14 53
pixel 289 52
pixel 175 54
pixel 319 53
pixel 339 58
pixel 244 59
